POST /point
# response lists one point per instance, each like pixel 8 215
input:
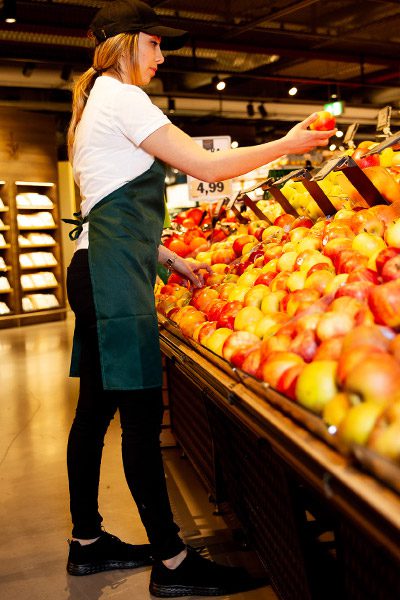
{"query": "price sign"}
pixel 383 123
pixel 350 133
pixel 329 166
pixel 202 190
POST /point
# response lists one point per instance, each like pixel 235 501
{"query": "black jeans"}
pixel 140 415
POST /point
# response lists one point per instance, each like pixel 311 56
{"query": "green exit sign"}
pixel 335 108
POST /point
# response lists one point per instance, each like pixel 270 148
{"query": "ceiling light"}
pixel 10 11
pixel 262 110
pixel 219 83
pixel 250 109
pixel 171 105
pixel 234 144
pixel 293 91
pixel 332 147
pixel 339 133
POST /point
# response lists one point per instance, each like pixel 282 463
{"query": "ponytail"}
pixel 112 55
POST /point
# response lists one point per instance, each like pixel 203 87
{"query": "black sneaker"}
pixel 105 554
pixel 197 576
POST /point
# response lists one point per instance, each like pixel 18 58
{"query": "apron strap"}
pixel 79 221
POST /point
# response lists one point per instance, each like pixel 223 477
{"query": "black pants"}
pixel 140 415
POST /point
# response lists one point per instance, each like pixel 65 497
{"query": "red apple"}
pixel 240 243
pixel 265 278
pixel 204 331
pixel 335 246
pixel 287 381
pixel 285 221
pixel 240 354
pixel 364 161
pixel 365 220
pixel 278 362
pixel 350 260
pixel 214 308
pixel 384 302
pixel 325 121
pixel 202 296
pixel 330 348
pixel 376 378
pixel 364 274
pixel 391 269
pixel 384 255
pixel 305 345
pixel 252 361
pixel 333 323
pixel 239 340
pixel 228 314
pixel 302 222
pixel 195 213
pixel 358 289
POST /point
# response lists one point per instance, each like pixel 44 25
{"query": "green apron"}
pixel 124 234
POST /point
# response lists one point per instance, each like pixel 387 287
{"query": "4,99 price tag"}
pixel 202 190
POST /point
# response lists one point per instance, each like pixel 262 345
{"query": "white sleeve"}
pixel 135 115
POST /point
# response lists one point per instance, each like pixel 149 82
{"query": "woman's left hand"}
pixel 191 269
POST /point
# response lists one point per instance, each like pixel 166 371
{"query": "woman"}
pixel 117 139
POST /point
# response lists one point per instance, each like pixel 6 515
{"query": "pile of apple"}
pixel 311 309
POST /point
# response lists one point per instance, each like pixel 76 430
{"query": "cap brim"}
pixel 171 39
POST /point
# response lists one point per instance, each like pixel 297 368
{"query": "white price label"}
pixel 202 190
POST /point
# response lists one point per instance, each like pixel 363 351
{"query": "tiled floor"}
pixel 37 401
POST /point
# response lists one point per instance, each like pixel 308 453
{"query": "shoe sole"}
pixel 176 591
pixel 107 565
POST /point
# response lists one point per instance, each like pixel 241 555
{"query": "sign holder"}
pixel 317 194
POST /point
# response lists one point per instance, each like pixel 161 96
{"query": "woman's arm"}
pixel 171 145
pixel 188 268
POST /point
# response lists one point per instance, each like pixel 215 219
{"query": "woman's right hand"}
pixel 300 139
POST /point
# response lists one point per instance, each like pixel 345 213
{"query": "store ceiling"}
pixel 346 48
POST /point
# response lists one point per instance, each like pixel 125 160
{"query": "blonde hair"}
pixel 113 55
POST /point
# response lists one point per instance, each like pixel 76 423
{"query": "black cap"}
pixel 132 16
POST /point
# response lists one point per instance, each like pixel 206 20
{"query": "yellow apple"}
pixel 296 280
pixel 368 243
pixel 308 243
pixel 316 385
pixel 217 339
pixel 286 262
pixel 248 277
pixel 255 295
pixel 335 283
pixel 270 266
pixel 392 234
pixel 359 422
pixel 247 318
pixel 336 409
pixel 271 302
pixel 238 293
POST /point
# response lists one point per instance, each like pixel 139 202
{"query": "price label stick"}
pixel 280 198
pixel 390 141
pixel 253 206
pixel 239 215
pixel 218 209
pixel 360 181
pixel 316 192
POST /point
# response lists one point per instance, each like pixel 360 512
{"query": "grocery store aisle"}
pixel 36 409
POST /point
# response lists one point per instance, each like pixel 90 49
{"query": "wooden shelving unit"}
pixel 26 216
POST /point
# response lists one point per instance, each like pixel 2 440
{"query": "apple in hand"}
pixel 325 121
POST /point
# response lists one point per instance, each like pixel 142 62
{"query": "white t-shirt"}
pixel 116 119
